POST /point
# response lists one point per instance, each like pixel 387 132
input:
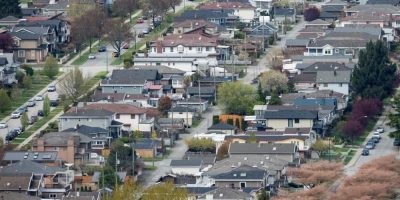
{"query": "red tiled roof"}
pixel 195 39
pixel 117 108
pixel 225 5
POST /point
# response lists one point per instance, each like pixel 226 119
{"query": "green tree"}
pixel 165 191
pixel 51 67
pixel 10 7
pixel 236 97
pixel 374 75
pixel 320 146
pixel 19 75
pixel 137 134
pixel 73 84
pixel 275 99
pixel 46 106
pixel 123 154
pixel 5 101
pixel 27 82
pixel 273 80
pixel 239 35
pixel 252 138
pixel 24 120
pixel 215 119
pixel 28 70
pixel 290 86
pixel 107 177
pixel 260 93
pixel 394 118
pixel 263 195
pixel 201 145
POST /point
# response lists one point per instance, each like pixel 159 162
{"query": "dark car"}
pixel 102 48
pixel 115 54
pixel 144 17
pixel 33 119
pixel 374 139
pixel 53 103
pixel 22 109
pixel 365 152
pixel 396 142
pixel 370 145
pixel 40 113
pixel 140 35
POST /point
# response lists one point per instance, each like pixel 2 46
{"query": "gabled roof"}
pixel 60 5
pixel 189 39
pixel 160 68
pixel 207 158
pixel 93 113
pixel 227 193
pixel 283 11
pixel 304 78
pixel 262 148
pixel 28 167
pixel 225 5
pixel 367 28
pixel 297 42
pixel 9 19
pixel 145 143
pixel 181 109
pixel 242 172
pixel 377 8
pixel 32 156
pixel 290 114
pixel 267 138
pixel 222 126
pixel 324 66
pixel 60 139
pixel 117 108
pixel 25 35
pixel 110 97
pixel 33 29
pixel 194 24
pixel 332 8
pixel 390 2
pixel 333 76
pixel 185 163
pixel 318 22
pixel 87 130
pixel 317 101
pixel 130 76
pixel 203 14
pixel 203 90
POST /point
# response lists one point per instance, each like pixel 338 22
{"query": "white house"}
pixel 186 167
pixel 337 81
pixel 245 11
pixel 185 113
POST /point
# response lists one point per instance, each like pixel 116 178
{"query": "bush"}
pixel 229 121
pixel 201 145
pixel 215 119
pixel 238 35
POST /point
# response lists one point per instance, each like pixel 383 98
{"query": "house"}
pixel 8 69
pixel 9 21
pixel 299 45
pixel 304 81
pixel 57 8
pixel 171 124
pixel 49 157
pixel 338 81
pixel 225 128
pixel 241 177
pixel 129 81
pixel 207 93
pixel 48 35
pixel 198 104
pixel 223 193
pixel 331 13
pixel 224 18
pixel 146 148
pixel 36 180
pixel 100 137
pixel 188 52
pixel 245 11
pixel 76 117
pixel 71 147
pixel 28 47
pixel 314 67
pixel 185 113
pixel 139 100
pixel 129 115
pixel 281 119
pixel 284 14
pixel 318 23
pixel 287 152
pixel 389 2
pixel 262 30
pixel 190 25
pixel 186 167
pixel 341 99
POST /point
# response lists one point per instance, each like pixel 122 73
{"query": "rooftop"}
pixel 130 76
pixel 242 172
pixel 290 114
pixel 118 108
pixel 185 163
pixel 82 112
pixel 304 78
pixel 225 5
pixel 333 76
pixel 222 126
pixel 254 148
pixel 60 139
pixel 28 167
pixel 227 193
pixel 192 40
pixel 181 109
pixel 32 156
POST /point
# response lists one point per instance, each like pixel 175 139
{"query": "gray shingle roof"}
pixel 242 172
pixel 222 126
pixel 8 195
pixel 227 193
pixel 203 90
pixel 181 109
pixel 254 148
pixel 9 19
pixel 297 42
pixel 25 35
pixel 131 76
pixel 60 139
pixel 318 22
pixel 304 78
pixel 169 121
pixel 332 8
pixel 333 76
pixel 202 14
pixel 87 130
pixel 290 114
pixel 28 167
pixel 35 29
pixel 94 113
pixel 283 11
pixel 185 163
pixel 269 138
pixel 206 157
pixel 324 66
pixel 390 2
pixel 41 156
pixel 161 69
pixel 60 5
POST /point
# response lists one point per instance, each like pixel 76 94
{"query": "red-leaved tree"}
pixel 311 13
pixel 6 42
pixel 352 129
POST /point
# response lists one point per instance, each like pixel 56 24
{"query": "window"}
pixel 340 84
pixel 53 195
pixel 158 63
pixel 198 49
pixel 296 121
pixel 328 52
pixel 290 123
pixel 348 52
pixel 171 49
pixel 163 49
pixel 117 116
pixel 319 50
pixel 190 48
pixel 132 116
pixel 207 48
pixel 325 84
pixel 242 184
pixel 21 53
pixel 336 50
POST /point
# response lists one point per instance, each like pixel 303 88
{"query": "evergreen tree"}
pixel 275 99
pixel 10 7
pixel 46 106
pixel 24 120
pixel 374 75
pixel 5 101
pixel 260 93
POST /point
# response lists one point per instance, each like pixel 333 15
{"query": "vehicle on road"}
pixel 39 98
pixel 141 35
pixel 3 125
pixel 53 103
pixel 11 135
pixel 92 56
pixel 15 115
pixel 396 142
pixel 19 130
pixel 144 17
pixel 31 103
pixel 140 21
pixel 380 129
pixel 102 48
pixel 374 139
pixel 365 152
pixel 40 113
pixel 126 46
pixel 145 31
pixel 376 135
pixel 22 109
pixel 51 88
pixel 370 145
pixel 33 119
pixel 115 54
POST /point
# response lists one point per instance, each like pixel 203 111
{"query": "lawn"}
pixel 85 56
pixel 349 156
pixel 196 122
pixel 38 83
pixel 149 167
pixel 156 159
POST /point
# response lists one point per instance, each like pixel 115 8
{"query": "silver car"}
pixel 3 125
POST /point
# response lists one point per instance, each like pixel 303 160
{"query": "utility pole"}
pixel 116 170
pixel 107 61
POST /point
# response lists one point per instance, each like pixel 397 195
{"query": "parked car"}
pixel 51 88
pixel 53 103
pixel 365 152
pixel 396 142
pixel 125 46
pixel 15 115
pixel 33 119
pixel 376 135
pixel 370 145
pixel 92 56
pixel 144 17
pixel 380 129
pixel 145 31
pixel 31 103
pixel 22 109
pixel 3 125
pixel 18 130
pixel 115 54
pixel 139 21
pixel 102 48
pixel 40 113
pixel 374 139
pixel 39 98
pixel 11 135
pixel 141 35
